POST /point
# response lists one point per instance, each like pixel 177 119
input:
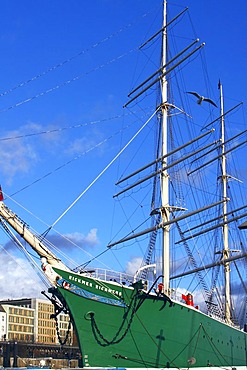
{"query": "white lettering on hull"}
pixel 95 285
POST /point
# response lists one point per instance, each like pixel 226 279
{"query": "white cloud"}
pixel 90 239
pixel 16 158
pixel 133 265
pixel 19 154
pixel 18 279
pixel 81 146
pixel 75 239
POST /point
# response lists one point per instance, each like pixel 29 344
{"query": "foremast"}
pixel 165 209
pixel 224 177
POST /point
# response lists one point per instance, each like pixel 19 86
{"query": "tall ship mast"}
pixel 164 175
pixel 226 253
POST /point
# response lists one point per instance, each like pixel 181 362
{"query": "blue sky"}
pixel 72 63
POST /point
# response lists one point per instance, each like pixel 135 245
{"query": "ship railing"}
pixel 115 277
pixel 109 275
pixel 176 296
pixel 234 322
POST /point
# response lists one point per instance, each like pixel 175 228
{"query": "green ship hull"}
pixel 121 326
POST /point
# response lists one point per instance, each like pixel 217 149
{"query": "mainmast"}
pixel 226 251
pixel 164 174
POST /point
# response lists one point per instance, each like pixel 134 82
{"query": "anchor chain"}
pixel 98 335
pixel 62 342
pixel 58 308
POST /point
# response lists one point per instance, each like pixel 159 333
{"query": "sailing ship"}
pixel 150 319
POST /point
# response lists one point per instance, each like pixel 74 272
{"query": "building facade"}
pixel 19 323
pixel 29 320
pixel 3 324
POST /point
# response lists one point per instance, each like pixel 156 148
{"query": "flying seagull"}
pixel 202 98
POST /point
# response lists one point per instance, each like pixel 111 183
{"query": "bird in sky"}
pixel 202 98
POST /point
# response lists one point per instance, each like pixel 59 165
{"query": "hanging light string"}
pixel 67 82
pixel 68 60
pixel 60 129
pixel 64 62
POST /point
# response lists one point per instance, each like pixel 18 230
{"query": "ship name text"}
pixel 96 286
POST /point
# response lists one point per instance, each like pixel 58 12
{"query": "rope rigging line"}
pixel 47 242
pixel 215 348
pixel 133 230
pixel 195 335
pixel 141 301
pixel 20 246
pixel 206 293
pixel 67 82
pixel 72 160
pixel 153 236
pixel 104 170
pixel 85 264
pixel 63 236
